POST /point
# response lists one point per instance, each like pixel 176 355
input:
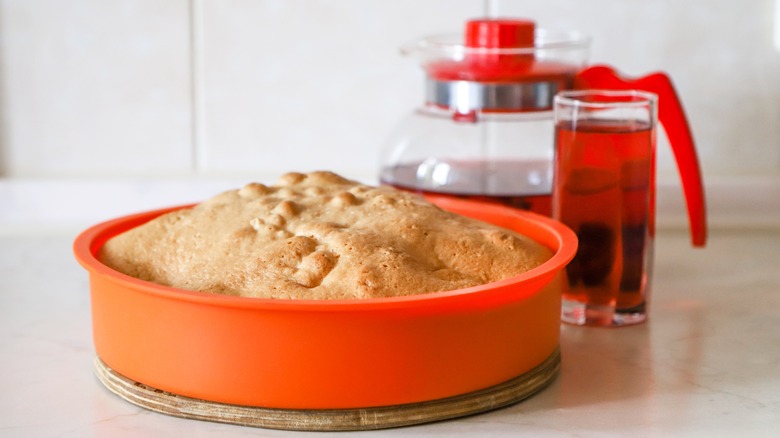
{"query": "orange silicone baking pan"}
pixel 337 354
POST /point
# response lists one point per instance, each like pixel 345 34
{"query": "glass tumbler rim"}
pixel 612 98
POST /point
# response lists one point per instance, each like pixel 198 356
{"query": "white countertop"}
pixel 707 363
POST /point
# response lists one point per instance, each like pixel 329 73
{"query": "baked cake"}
pixel 319 236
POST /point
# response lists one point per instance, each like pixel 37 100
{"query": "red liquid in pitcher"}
pixel 605 194
pixel 520 184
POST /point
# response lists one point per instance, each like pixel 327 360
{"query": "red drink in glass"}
pixel 604 191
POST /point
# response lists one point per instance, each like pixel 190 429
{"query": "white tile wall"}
pixel 237 89
pixel 302 84
pixel 92 87
pixel 720 54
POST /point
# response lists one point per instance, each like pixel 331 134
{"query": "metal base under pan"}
pixel 503 394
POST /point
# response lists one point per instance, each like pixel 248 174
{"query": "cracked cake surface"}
pixel 319 236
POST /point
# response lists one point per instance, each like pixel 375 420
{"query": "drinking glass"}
pixel 604 189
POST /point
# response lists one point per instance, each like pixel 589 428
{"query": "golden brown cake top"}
pixel 319 236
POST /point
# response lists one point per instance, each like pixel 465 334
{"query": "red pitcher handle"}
pixel 672 116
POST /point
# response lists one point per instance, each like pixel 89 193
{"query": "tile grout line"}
pixel 490 8
pixel 198 152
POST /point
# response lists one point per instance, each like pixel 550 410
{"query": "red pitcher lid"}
pixel 500 33
pixel 501 65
